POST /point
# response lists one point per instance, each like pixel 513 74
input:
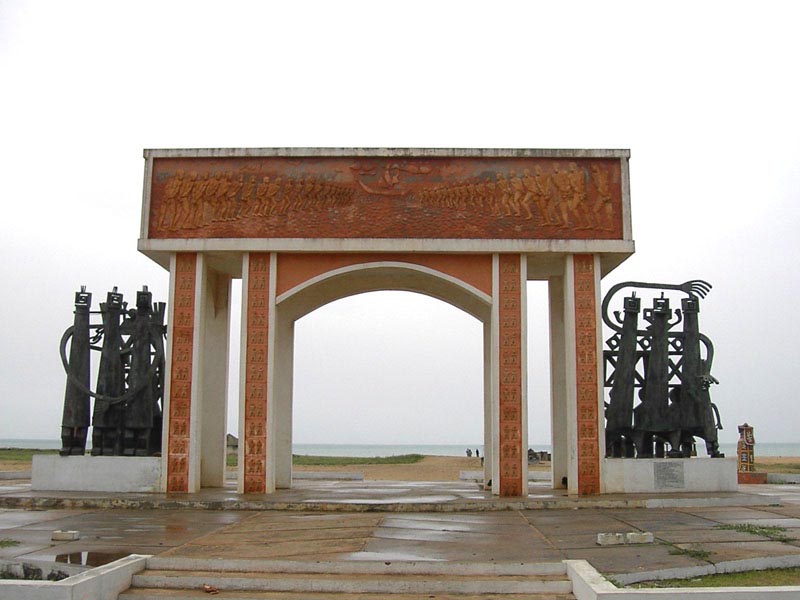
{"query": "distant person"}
pixel 469 452
pixel 477 453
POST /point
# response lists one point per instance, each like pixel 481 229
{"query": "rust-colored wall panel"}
pixel 327 197
pixel 255 404
pixel 180 397
pixel 294 269
pixel 586 370
pixel 513 482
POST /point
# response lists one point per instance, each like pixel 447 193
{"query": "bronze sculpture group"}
pixel 127 415
pixel 670 367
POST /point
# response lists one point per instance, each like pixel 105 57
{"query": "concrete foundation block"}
pixel 639 537
pixel 52 472
pixel 610 539
pixel 65 536
pixel 668 475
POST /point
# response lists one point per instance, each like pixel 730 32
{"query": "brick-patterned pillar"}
pixel 184 278
pixel 513 481
pixel 587 375
pixel 253 452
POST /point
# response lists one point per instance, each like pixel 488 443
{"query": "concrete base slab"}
pixel 660 475
pixel 52 472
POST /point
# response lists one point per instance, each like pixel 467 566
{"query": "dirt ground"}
pixel 430 468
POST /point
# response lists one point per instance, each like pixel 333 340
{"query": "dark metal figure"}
pixel 127 411
pixel 668 369
pixel 107 417
pixel 75 418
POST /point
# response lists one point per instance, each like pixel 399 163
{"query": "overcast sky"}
pixel 705 94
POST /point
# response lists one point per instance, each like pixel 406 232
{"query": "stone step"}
pixel 367 567
pixel 160 594
pixel 353 583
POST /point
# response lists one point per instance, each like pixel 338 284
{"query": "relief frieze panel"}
pixel 458 198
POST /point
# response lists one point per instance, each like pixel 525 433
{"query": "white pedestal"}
pixel 52 472
pixel 665 475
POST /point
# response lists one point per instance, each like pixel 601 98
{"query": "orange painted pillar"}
pixel 587 384
pixel 253 446
pixel 178 443
pixel 510 301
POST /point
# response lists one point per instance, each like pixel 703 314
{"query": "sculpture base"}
pixel 751 477
pixel 96 473
pixel 669 475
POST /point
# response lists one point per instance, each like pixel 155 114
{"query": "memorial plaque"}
pixel 668 475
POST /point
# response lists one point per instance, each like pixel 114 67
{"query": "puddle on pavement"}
pixel 84 559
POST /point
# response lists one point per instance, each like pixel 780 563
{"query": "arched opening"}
pixel 391 372
pixel 352 282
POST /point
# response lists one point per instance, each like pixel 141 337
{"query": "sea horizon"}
pixel 344 449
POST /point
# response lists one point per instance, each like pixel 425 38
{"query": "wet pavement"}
pixel 688 535
pixel 350 496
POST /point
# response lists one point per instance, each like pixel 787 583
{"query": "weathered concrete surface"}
pixel 685 537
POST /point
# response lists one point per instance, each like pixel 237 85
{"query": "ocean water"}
pixel 762 449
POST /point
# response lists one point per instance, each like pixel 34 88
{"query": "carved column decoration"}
pixel 586 372
pixel 180 402
pixel 512 479
pixel 255 422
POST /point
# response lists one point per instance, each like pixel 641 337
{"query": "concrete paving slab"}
pixel 701 536
pixel 298 535
pixel 455 551
pixel 10 518
pixel 572 541
pixel 630 559
pixel 456 537
pixel 231 548
pixel 648 521
pixel 273 521
pixel 728 513
pixel 725 551
pixel 784 523
pixel 408 522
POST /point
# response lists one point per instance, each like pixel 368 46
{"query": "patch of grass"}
pixel 22 454
pixel 768 577
pixel 776 534
pixel 778 467
pixel 696 553
pixel 7 543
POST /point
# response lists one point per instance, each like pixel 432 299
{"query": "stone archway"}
pixel 305 227
pixel 357 278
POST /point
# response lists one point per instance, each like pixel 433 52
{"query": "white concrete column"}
pixel 215 302
pixel 242 372
pixel 282 399
pixel 489 434
pixel 570 376
pixel 558 384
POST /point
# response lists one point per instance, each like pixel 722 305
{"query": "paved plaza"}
pixel 402 521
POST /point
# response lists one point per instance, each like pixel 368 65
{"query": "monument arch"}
pixel 303 227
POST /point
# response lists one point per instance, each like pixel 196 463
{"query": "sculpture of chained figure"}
pixel 127 414
pixel 668 369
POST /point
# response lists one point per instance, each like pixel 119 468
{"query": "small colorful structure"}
pixel 746 457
